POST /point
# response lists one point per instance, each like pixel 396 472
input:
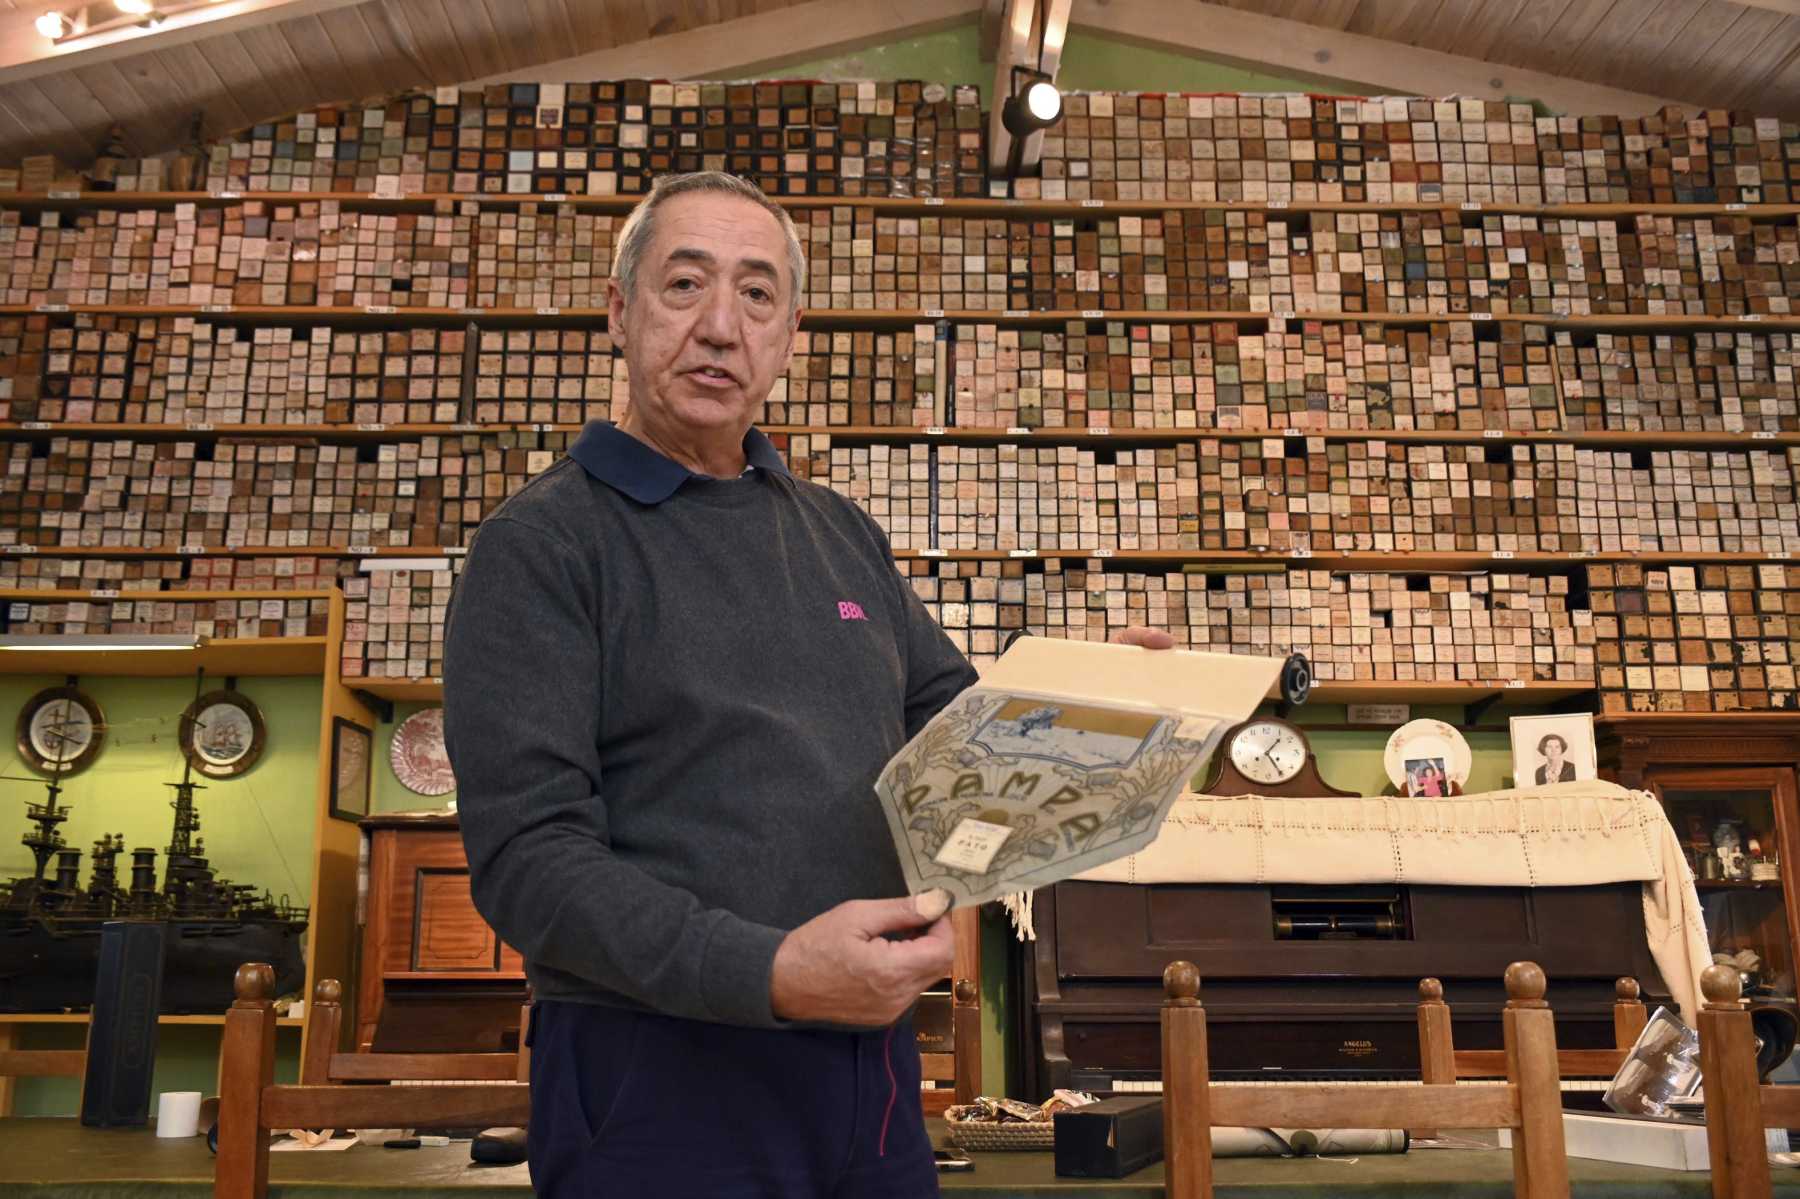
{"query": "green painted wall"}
pixel 258 829
pixel 1090 63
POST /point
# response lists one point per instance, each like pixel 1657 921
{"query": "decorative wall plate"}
pixel 60 731
pixel 1428 750
pixel 418 756
pixel 222 734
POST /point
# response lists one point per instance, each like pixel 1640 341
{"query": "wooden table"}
pixel 58 1159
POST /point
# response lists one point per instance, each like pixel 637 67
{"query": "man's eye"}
pixel 684 285
pixel 759 294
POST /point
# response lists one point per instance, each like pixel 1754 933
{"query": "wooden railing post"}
pixel 1187 1108
pixel 324 1024
pixel 1734 1114
pixel 1629 1016
pixel 1437 1051
pixel 965 1032
pixel 1540 1164
pixel 246 1066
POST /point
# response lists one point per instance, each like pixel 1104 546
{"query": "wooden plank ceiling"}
pixel 1718 53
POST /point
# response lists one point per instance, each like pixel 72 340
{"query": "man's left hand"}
pixel 1143 635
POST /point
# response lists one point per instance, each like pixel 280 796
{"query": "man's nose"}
pixel 718 323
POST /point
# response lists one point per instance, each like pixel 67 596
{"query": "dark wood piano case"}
pixel 1093 977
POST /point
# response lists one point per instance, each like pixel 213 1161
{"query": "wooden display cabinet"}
pixel 1738 767
pixel 434 978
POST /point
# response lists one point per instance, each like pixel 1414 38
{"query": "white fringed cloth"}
pixel 1570 834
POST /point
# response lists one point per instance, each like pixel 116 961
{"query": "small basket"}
pixel 1037 1136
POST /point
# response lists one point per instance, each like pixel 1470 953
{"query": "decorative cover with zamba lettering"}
pixel 1065 756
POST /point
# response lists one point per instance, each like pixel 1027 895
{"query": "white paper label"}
pixel 191 549
pixel 220 193
pixel 1293 433
pixel 1736 207
pixel 1503 554
pixel 52 307
pixel 1093 314
pixel 1762 435
pixel 103 594
pixel 1286 314
pixel 215 308
pixel 380 309
pixel 1022 553
pixel 455 551
pixel 934 201
pixel 556 197
pixel 362 551
pixel 1471 206
pixel 1779 555
pixel 1103 553
pixel 1099 431
pixel 934 314
pixel 1093 203
pixel 934 430
pixel 1017 430
pixel 199 426
pixel 36 424
pixel 469 311
pixel 1493 433
pixel 1278 205
pixel 63 193
pixel 934 552
pixel 1301 551
pixel 548 310
pixel 21 549
pixel 972 845
pixel 371 427
pixel 1515 684
pixel 1753 317
pixel 1481 316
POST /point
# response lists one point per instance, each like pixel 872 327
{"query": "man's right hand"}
pixel 840 967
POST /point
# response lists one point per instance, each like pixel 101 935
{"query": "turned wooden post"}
pixel 1437 1051
pixel 1734 1116
pixel 246 1067
pixel 523 1071
pixel 1187 1110
pixel 324 1024
pixel 1540 1164
pixel 965 1031
pixel 1629 1016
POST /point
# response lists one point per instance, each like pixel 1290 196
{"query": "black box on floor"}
pixel 1109 1139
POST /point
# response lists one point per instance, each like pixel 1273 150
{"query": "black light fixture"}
pixel 1032 108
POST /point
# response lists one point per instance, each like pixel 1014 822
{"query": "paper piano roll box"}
pixel 1065 756
pixel 1641 1140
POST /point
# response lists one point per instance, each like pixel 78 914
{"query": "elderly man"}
pixel 673 672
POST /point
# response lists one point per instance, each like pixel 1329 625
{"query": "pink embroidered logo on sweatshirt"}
pixel 850 611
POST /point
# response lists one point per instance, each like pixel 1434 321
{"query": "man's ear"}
pixel 615 313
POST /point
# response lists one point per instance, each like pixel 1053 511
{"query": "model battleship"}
pixel 50 925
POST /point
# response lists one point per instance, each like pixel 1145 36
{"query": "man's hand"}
pixel 840 968
pixel 1143 635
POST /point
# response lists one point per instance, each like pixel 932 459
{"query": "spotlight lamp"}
pixel 135 8
pixel 1033 107
pixel 54 25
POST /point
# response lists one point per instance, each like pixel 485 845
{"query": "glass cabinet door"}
pixel 1737 827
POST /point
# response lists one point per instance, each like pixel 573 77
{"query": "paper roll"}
pixel 178 1114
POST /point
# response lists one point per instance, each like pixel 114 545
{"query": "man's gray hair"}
pixel 640 226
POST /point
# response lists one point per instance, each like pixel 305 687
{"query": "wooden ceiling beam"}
pixel 736 48
pixel 25 53
pixel 1215 31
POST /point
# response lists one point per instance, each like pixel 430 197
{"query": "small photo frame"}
pixel 352 748
pixel 1553 749
pixel 1427 778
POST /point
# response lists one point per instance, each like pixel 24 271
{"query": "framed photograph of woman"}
pixel 1553 749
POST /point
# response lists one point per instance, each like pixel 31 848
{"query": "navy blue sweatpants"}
pixel 627 1104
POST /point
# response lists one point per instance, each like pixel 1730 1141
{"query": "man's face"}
pixel 710 324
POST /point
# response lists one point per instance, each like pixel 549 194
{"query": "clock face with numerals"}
pixel 1268 751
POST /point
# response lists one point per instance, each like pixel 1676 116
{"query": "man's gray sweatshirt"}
pixel 667 698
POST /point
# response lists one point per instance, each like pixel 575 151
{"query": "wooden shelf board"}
pixel 1732 884
pixel 1093 435
pixel 862 317
pixel 176 597
pixel 1733 719
pixel 18 1018
pixel 467 976
pixel 243 656
pixel 399 690
pixel 1401 562
pixel 1368 691
pixel 948 205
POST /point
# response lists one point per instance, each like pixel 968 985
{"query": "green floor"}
pixel 58 1159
